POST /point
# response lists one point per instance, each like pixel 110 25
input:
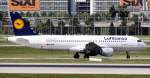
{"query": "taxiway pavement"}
pixel 66 68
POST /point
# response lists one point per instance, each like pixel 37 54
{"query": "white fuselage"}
pixel 67 42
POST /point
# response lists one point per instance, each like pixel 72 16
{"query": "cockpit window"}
pixel 139 40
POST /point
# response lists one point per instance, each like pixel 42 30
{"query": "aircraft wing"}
pixel 82 47
pixel 79 48
pixel 93 49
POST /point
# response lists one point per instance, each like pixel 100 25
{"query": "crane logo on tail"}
pixel 18 24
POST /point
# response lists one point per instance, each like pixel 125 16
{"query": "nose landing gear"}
pixel 128 55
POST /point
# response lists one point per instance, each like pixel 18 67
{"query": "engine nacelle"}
pixel 107 52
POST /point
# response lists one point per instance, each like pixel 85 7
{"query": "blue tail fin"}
pixel 21 26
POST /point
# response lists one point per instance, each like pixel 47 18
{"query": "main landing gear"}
pixel 128 55
pixel 86 55
pixel 77 56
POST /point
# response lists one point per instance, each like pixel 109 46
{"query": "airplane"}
pixel 89 45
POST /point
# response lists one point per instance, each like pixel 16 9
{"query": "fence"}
pixel 83 25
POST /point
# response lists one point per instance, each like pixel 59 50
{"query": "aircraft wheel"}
pixel 128 55
pixel 77 56
pixel 86 56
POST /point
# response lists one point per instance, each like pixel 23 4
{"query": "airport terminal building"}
pixel 71 6
pixel 74 7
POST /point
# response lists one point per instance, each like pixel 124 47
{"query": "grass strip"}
pixel 70 76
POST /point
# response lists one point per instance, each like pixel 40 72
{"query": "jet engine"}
pixel 93 49
pixel 106 52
